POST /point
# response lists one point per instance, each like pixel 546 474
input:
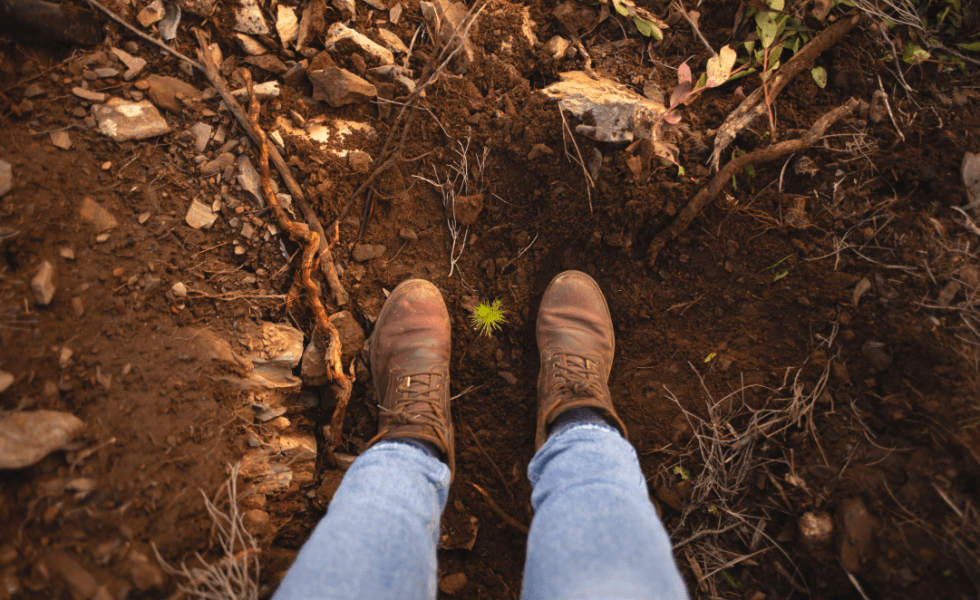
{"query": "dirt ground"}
pixel 798 371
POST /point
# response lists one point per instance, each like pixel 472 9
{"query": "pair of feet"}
pixel 410 350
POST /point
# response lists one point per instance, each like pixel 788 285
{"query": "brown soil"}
pixel 714 324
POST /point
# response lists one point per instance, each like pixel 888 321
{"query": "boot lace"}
pixel 414 390
pixel 576 377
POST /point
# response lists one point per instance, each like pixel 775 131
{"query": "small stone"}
pixel 248 231
pixel 154 12
pixel 219 164
pixel 89 95
pixel 256 521
pixel 144 217
pixel 539 150
pixel 64 356
pixel 858 533
pixel 33 91
pixel 345 7
pixel 859 290
pixel 134 64
pixel 77 307
pixel 508 377
pixel 28 436
pixel 878 111
pixel 249 19
pixel 816 530
pixel 451 584
pixel 287 25
pixel 200 215
pixel 465 209
pixel 263 91
pixel 145 575
pixel 343 41
pixel 948 293
pixel 392 42
pixel 106 72
pixel 179 290
pixel 557 46
pixel 360 162
pixel 408 235
pixel 268 62
pixel 250 45
pixel 6 177
pixel 42 285
pixel 249 179
pixel 60 139
pixel 169 93
pixel 201 132
pixel 339 87
pixel 365 252
pixel 6 380
pixel 311 25
pixel 124 121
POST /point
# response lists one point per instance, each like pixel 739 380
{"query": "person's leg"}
pixel 378 539
pixel 595 534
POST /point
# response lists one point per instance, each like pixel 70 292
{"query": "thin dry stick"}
pixel 889 107
pixel 755 105
pixel 589 184
pixel 694 26
pixel 492 464
pixel 139 33
pixel 500 512
pixel 311 241
pixel 708 193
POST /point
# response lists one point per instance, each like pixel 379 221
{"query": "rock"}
pixel 948 293
pixel 84 94
pixel 263 91
pixel 508 377
pixel 365 252
pixel 33 91
pixel 287 25
pixel 619 114
pixel 451 584
pixel 256 521
pixel 200 8
pixel 539 150
pixel 465 209
pixel 816 530
pixel 168 92
pixel 312 24
pixel 155 11
pixel 106 73
pixel 557 47
pixel 145 575
pixel 360 162
pixel 42 285
pixel 339 87
pixel 6 178
pixel 6 380
pixel 249 19
pixel 296 76
pixel 91 212
pixel 859 290
pixel 179 290
pixel 441 20
pixel 60 139
pixel 395 74
pixel 125 121
pixel 392 42
pixel 408 235
pixel 28 436
pixel 970 173
pixel 134 64
pixel 219 164
pixel 249 179
pixel 876 355
pixel 200 215
pixel 347 8
pixel 201 132
pixel 858 533
pixel 250 45
pixel 81 585
pixel 343 41
pixel 878 112
pixel 268 62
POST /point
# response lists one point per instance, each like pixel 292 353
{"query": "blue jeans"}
pixel 595 534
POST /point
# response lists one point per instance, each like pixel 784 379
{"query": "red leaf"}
pixel 683 74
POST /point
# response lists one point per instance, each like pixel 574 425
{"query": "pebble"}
pixel 465 209
pixel 179 290
pixel 250 45
pixel 88 75
pixel 249 179
pixel 339 87
pixel 152 13
pixel 91 96
pixel 816 530
pixel 360 162
pixel 200 215
pixel 451 584
pixel 134 64
pixel 256 521
pixel 106 72
pixel 858 534
pixel 408 235
pixel 970 174
pixel 6 177
pixel 33 91
pixel 144 217
pixel 64 357
pixel 539 150
pixel 42 285
pixel 248 231
pixel 508 377
pixel 201 132
pixel 61 139
pixel 6 380
pixel 249 19
pixel 365 252
pixel 77 306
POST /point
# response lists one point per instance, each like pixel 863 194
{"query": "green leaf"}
pixel 972 46
pixel 914 54
pixel 750 46
pixel 644 27
pixel 780 276
pixel 710 356
pixel 701 81
pixel 618 5
pixel 742 74
pixel 819 76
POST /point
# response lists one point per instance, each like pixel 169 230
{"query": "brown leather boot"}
pixel 577 343
pixel 410 350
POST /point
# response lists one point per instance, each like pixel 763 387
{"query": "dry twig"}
pixel 500 512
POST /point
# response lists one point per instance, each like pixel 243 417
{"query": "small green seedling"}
pixel 731 580
pixel 710 357
pixel 487 317
pixel 713 510
pixel 684 473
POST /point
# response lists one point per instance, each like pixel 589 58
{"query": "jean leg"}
pixel 595 533
pixel 378 538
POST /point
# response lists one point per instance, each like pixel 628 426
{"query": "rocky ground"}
pixel 798 369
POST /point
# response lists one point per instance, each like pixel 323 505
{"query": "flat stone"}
pixel 200 215
pixel 249 19
pixel 134 64
pixel 287 25
pixel 6 177
pixel 312 24
pixel 42 285
pixel 28 436
pixel 250 45
pixel 539 150
pixel 153 12
pixel 124 121
pixel 263 91
pixel 89 95
pixel 408 234
pixel 33 91
pixel 268 62
pixel 360 162
pixel 364 252
pixel 219 164
pixel 201 132
pixel 465 209
pixel 392 42
pixel 94 214
pixel 107 72
pixel 344 40
pixel 249 179
pixel 169 93
pixel 339 87
pixel 619 114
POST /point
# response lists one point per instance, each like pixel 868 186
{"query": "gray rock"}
pixel 6 177
pixel 249 19
pixel 89 95
pixel 249 179
pixel 201 132
pixel 344 40
pixel 134 64
pixel 339 87
pixel 365 252
pixel 28 436
pixel 619 114
pixel 42 285
pixel 124 121
pixel 970 173
pixel 219 164
pixel 33 91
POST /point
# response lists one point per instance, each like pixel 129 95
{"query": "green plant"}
pixel 684 473
pixel 487 317
pixel 731 580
